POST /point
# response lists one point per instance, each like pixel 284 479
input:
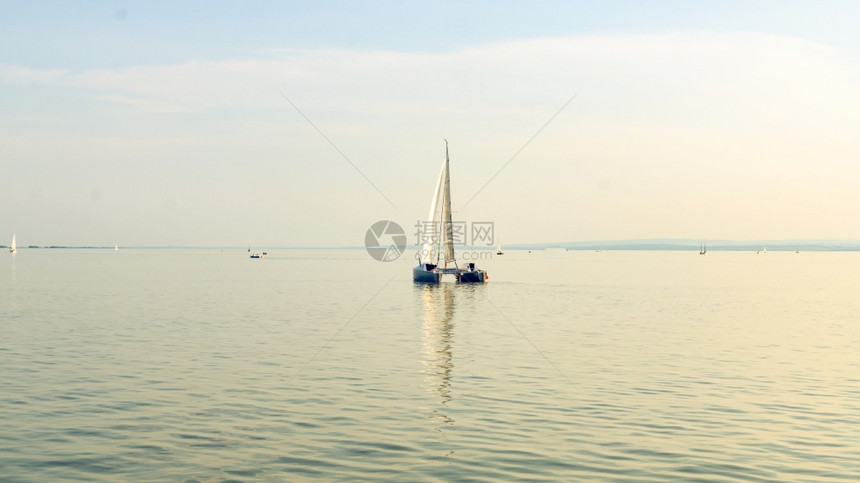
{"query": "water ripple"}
pixel 186 371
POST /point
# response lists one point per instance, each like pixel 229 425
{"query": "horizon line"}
pixel 617 244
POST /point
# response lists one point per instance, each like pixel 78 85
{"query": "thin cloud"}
pixel 15 74
pixel 666 75
pixel 146 105
pixel 696 125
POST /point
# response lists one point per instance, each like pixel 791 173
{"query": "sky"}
pixel 300 124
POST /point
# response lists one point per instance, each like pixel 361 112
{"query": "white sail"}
pixel 447 223
pixel 13 248
pixel 430 251
pixel 441 239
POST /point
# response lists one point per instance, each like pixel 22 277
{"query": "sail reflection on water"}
pixel 437 302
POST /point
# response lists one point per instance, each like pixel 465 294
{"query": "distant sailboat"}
pixel 13 248
pixel 703 250
pixel 440 250
pixel 499 249
pixel 116 247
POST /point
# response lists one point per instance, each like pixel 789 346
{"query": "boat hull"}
pixel 472 276
pixel 420 274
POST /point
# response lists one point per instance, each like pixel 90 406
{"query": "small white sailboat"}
pixel 499 249
pixel 703 250
pixel 436 254
pixel 116 247
pixel 13 248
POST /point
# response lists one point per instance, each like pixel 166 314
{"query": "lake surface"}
pixel 205 365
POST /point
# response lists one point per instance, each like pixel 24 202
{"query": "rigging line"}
pixel 521 149
pixel 306 118
pixel 524 336
pixel 306 364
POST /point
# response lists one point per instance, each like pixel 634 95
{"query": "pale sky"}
pixel 163 123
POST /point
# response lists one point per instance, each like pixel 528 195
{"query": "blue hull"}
pixel 420 274
pixel 473 276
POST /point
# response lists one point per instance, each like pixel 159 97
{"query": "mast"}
pixel 447 223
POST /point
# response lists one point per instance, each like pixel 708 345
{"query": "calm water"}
pixel 204 365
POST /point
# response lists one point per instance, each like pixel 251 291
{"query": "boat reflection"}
pixel 437 302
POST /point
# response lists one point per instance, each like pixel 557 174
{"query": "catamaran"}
pixel 436 257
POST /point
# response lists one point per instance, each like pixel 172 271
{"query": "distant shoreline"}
pixel 609 245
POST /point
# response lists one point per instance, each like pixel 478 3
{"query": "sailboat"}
pixel 13 248
pixel 703 250
pixel 436 257
pixel 116 247
pixel 499 250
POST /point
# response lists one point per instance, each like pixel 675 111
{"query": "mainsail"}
pixel 440 238
pixel 430 247
pixel 447 224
